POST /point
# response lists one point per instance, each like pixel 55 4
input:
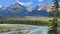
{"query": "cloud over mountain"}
pixel 25 3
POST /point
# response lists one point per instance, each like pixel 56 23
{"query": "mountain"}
pixel 17 10
pixel 2 10
pixel 44 6
pixel 42 10
pixel 36 12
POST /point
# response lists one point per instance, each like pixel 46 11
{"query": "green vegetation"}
pixel 4 29
pixel 53 28
pixel 33 22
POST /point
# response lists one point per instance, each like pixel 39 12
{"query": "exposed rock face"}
pixel 17 10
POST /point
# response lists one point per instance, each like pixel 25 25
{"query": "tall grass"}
pixel 33 22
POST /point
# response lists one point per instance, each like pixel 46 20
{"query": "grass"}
pixel 34 22
pixel 4 29
pixel 58 30
pixel 7 28
pixel 27 20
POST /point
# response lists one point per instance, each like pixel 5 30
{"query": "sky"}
pixel 27 3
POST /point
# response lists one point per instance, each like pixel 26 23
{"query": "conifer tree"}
pixel 54 24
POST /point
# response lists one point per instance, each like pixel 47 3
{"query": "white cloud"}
pixel 25 3
pixel 40 0
pixel 0 6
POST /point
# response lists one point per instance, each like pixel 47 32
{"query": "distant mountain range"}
pixel 17 10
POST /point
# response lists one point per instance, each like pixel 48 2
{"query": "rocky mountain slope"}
pixel 17 10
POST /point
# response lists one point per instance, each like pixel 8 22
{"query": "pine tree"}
pixel 53 28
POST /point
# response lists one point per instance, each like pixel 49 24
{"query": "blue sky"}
pixel 28 3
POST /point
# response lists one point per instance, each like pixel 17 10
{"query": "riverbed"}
pixel 24 29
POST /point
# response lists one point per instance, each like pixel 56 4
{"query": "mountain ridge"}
pixel 17 10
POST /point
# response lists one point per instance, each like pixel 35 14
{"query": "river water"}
pixel 35 30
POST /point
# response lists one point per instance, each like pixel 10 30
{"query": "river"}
pixel 33 30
